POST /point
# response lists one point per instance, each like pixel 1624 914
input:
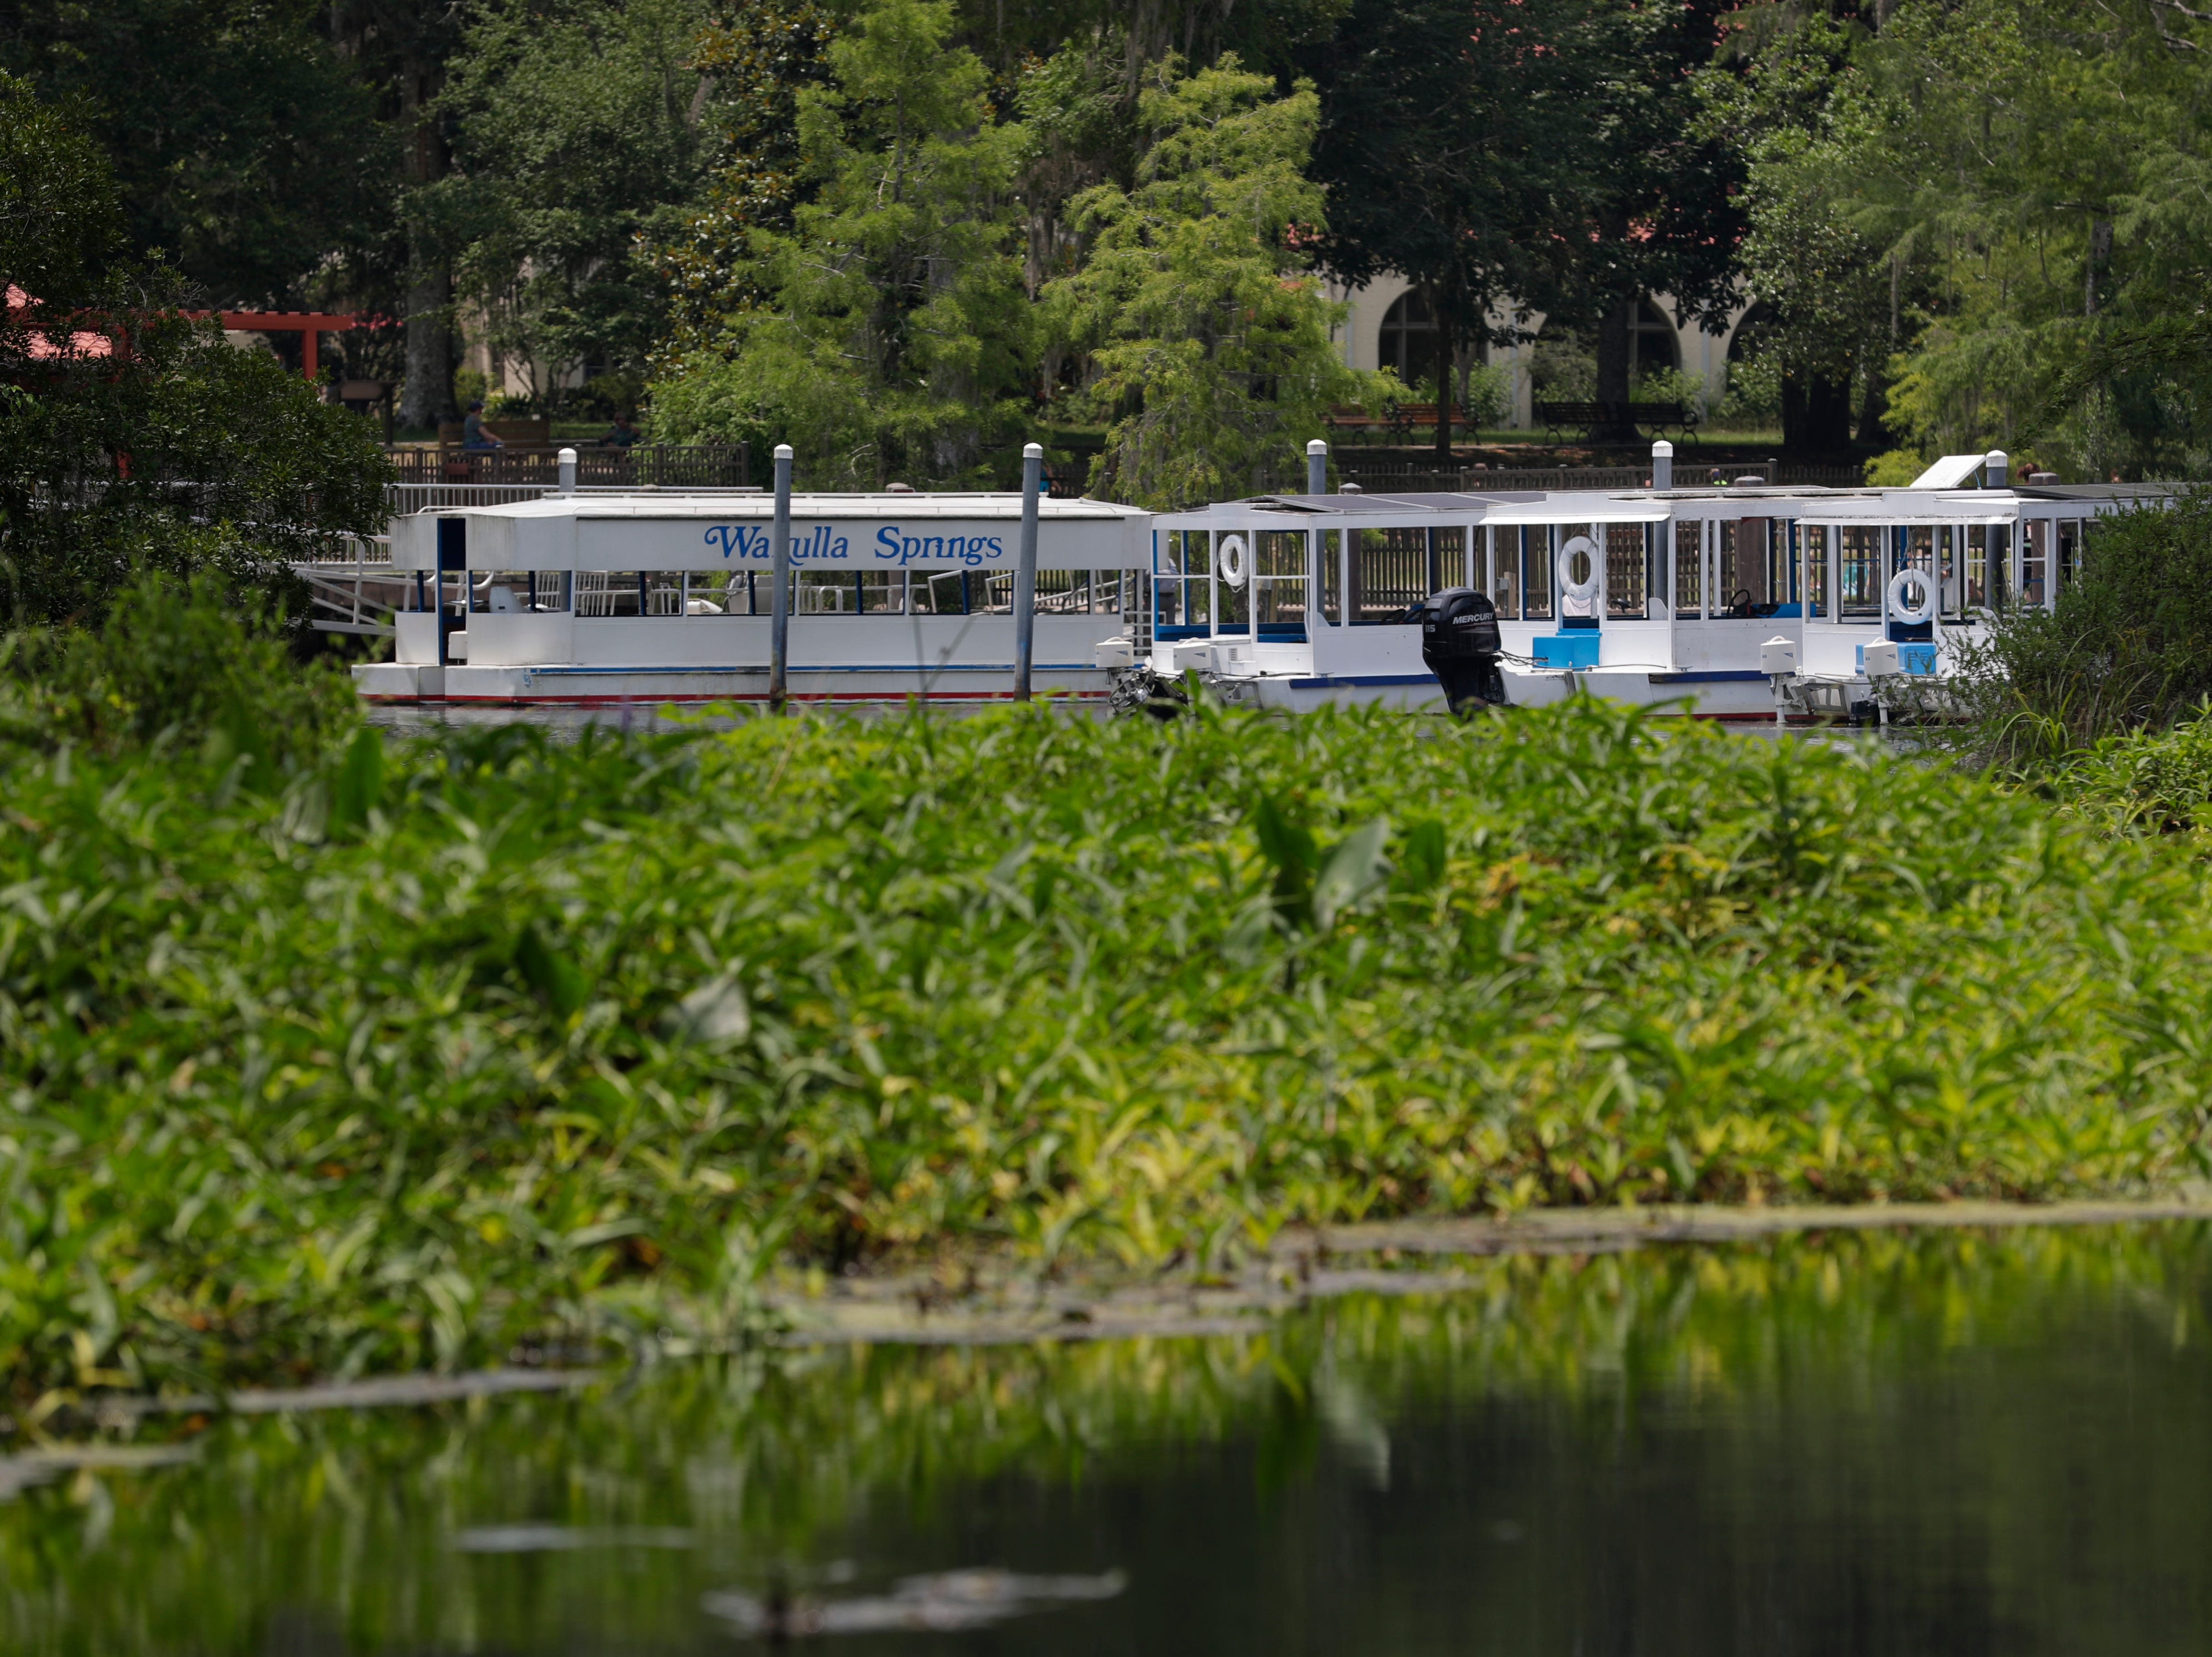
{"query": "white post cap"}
pixel 783 451
pixel 1662 450
pixel 1317 447
pixel 1033 451
pixel 566 457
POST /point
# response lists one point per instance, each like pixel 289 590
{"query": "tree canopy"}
pixel 892 338
pixel 1450 147
pixel 1208 330
pixel 1953 223
pixel 131 435
pixel 1992 207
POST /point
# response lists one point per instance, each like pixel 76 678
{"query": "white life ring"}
pixel 1581 592
pixel 1234 570
pixel 1917 615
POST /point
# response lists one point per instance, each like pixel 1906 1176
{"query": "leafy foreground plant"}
pixel 175 661
pixel 491 1040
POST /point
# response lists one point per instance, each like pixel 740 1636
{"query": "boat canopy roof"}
pixel 719 529
pixel 1813 503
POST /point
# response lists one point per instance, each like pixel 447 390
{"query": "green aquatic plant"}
pixel 439 1047
pixel 2156 781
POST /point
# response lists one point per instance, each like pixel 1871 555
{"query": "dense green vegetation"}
pixel 2102 699
pixel 406 1054
pixel 1973 223
pixel 1962 221
pixel 133 438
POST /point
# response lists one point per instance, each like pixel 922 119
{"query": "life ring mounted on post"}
pixel 1583 592
pixel 1235 562
pixel 1912 615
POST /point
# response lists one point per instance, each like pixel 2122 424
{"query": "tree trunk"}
pixel 1616 332
pixel 1874 412
pixel 428 398
pixel 1816 414
pixel 1443 378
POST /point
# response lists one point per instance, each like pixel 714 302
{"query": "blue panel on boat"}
pixel 1566 650
pixel 1709 676
pixel 1914 658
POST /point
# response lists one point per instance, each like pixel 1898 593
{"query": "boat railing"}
pixel 353 589
pixel 1403 478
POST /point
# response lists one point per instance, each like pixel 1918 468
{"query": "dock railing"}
pixel 646 465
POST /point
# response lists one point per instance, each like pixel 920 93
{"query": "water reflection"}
pixel 1852 1444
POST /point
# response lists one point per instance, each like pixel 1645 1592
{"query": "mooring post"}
pixel 1662 465
pixel 1997 542
pixel 778 603
pixel 1025 570
pixel 1317 467
pixel 567 458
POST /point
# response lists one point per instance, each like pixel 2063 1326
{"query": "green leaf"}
pixel 360 786
pixel 550 972
pixel 1357 868
pixel 1421 867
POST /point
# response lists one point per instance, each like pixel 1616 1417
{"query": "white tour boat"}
pixel 1717 600
pixel 582 598
pixel 1731 602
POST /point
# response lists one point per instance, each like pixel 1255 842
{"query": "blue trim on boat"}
pixel 832 667
pixel 1323 682
pixel 1710 676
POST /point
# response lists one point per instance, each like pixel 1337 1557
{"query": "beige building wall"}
pixel 1703 354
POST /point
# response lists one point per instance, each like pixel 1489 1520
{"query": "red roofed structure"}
pixel 310 325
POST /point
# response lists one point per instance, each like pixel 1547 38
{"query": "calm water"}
pixel 1954 1446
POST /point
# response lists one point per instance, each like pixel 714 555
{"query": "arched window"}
pixel 1751 333
pixel 1408 341
pixel 1651 342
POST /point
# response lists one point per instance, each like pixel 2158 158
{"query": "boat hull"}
pixel 599 686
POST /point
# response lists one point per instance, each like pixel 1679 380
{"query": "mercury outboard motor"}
pixel 1460 643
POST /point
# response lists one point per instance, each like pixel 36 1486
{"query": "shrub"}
pixel 2127 647
pixel 2158 781
pixel 175 662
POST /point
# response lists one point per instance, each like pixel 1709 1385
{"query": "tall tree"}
pixel 1450 146
pixel 1208 330
pixel 245 147
pixel 580 132
pixel 1661 212
pixel 759 59
pixel 1831 300
pixel 895 339
pixel 399 48
pixel 2039 167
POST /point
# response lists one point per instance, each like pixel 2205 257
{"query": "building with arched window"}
pixel 1390 327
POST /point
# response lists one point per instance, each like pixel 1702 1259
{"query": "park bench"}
pixel 1558 419
pixel 1399 420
